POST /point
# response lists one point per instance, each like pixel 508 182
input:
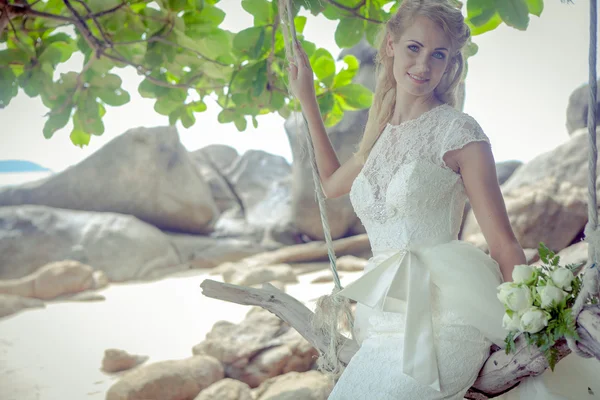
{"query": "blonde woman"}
pixel 427 311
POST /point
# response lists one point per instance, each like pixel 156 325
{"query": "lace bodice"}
pixel 405 192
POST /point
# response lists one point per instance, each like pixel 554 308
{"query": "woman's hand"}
pixel 301 78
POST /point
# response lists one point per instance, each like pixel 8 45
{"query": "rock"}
pixel 351 263
pixel 84 296
pixel 323 279
pixel 12 304
pixel 121 246
pixel 52 280
pixel 208 252
pixel 310 385
pixel 240 275
pixel 531 255
pixel 252 189
pixel 226 389
pixel 145 172
pixel 307 252
pixel 566 163
pixel 505 169
pixel 116 360
pixel 260 347
pixel 548 211
pixel 577 110
pixel 262 184
pixel 212 162
pixel 168 380
pixel 254 173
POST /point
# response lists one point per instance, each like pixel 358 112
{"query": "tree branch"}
pixel 105 12
pixel 354 11
pixel 290 310
pixel 500 373
pixel 4 18
pixel 93 17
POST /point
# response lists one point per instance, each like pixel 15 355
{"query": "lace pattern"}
pixel 405 191
pixel 407 194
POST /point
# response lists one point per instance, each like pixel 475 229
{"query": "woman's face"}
pixel 421 56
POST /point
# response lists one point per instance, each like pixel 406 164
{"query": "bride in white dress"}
pixel 427 311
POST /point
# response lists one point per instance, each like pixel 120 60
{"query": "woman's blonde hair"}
pixel 451 21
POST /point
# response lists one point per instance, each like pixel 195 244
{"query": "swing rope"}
pixel 591 273
pixel 331 310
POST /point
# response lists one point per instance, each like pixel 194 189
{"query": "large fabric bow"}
pixel 403 279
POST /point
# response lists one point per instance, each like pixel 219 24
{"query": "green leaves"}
pixel 56 121
pixel 486 15
pixel 349 32
pixel 323 66
pixel 355 96
pixel 260 9
pixel 178 46
pixel 8 86
pixel 535 7
pixel 513 12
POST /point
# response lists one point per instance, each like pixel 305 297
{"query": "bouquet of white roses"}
pixel 538 303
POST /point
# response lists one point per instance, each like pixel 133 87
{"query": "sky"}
pixel 517 88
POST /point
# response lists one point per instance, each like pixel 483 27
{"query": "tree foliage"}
pixel 185 57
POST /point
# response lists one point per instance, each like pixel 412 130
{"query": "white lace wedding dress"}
pixel 427 310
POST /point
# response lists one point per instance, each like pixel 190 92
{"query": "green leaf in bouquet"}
pixel 544 253
pixel 509 341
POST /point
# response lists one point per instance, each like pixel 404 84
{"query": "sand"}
pixel 56 352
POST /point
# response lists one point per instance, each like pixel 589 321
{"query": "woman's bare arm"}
pixel 475 162
pixel 336 179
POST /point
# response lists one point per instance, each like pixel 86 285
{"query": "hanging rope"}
pixel 591 272
pixel 331 310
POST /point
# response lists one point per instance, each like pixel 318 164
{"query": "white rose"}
pixel 516 298
pixel 550 294
pixel 504 289
pixel 511 323
pixel 562 278
pixel 533 320
pixel 523 273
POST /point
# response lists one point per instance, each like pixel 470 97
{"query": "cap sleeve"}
pixel 462 131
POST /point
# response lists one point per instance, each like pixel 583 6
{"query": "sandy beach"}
pixel 56 352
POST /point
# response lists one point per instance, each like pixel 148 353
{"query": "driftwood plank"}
pixel 500 373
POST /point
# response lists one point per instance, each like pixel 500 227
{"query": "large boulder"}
pixel 252 191
pixel 254 172
pixel 212 162
pixel 548 211
pixel 546 197
pixel 122 246
pixel 146 172
pixel 310 385
pixel 260 347
pixel 167 380
pixel 577 110
pixel 54 280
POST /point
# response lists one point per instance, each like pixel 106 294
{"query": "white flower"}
pixel 523 273
pixel 504 289
pixel 550 294
pixel 533 320
pixel 562 278
pixel 511 323
pixel 515 297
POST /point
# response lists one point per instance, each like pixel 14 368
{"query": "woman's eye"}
pixel 439 55
pixel 413 47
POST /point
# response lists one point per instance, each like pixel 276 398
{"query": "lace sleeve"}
pixel 461 132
